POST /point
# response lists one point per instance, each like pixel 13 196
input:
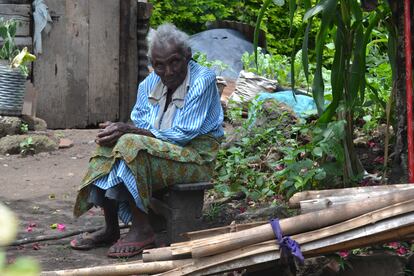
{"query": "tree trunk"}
pixel 399 170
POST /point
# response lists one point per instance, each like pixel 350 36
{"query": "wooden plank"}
pixel 50 72
pixel 21 13
pixel 22 42
pixel 77 41
pixel 15 1
pixel 128 58
pixel 103 60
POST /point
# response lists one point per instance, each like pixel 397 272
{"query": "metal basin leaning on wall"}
pixel 12 88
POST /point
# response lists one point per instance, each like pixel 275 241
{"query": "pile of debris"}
pixel 331 221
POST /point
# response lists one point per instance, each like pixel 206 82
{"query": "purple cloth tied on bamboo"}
pixel 287 245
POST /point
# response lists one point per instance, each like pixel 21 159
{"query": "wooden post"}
pixel 128 58
pixel 143 17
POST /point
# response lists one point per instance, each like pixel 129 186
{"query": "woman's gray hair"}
pixel 164 35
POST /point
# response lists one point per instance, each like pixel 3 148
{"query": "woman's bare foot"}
pixel 102 237
pixel 137 239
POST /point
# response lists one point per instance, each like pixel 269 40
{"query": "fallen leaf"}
pixel 53 226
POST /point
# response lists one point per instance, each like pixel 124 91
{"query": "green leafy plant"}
pixel 212 212
pixel 24 128
pixel 274 152
pixel 218 65
pixel 27 146
pixel 269 66
pixel 9 51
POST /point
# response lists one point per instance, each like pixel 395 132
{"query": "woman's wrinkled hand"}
pixel 109 133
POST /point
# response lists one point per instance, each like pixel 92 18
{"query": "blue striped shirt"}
pixel 201 114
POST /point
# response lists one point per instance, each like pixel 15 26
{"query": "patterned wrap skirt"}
pixel 154 165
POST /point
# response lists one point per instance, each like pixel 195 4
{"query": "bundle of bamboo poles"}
pixel 345 224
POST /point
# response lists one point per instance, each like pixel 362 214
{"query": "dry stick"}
pixel 372 233
pixel 58 236
pixel 296 198
pixel 120 269
pixel 298 224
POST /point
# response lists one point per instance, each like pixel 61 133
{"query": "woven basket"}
pixel 12 88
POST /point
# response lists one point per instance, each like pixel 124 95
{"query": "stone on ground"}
pixel 40 143
pixel 9 125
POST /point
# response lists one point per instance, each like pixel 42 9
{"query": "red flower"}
pixel 371 144
pixel 401 250
pixel 379 160
pixel 343 254
pixel 279 167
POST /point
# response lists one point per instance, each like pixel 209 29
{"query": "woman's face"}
pixel 170 63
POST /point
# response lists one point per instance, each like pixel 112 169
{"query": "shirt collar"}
pixel 160 91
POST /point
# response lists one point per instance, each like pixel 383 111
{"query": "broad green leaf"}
pixel 305 51
pixel 292 10
pixel 329 7
pixel 320 174
pixel 322 6
pixel 317 152
pixel 337 73
pixel 257 28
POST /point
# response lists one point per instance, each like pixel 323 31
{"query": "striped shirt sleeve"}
pixel 141 111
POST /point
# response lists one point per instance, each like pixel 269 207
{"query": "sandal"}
pixel 86 242
pixel 137 248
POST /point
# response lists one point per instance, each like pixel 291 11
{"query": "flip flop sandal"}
pixel 138 248
pixel 85 242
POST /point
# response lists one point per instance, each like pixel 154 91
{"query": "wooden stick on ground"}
pixel 120 269
pixel 58 236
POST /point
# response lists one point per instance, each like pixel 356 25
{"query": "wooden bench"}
pixel 179 209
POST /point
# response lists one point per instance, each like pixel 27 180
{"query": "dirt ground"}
pixel 41 190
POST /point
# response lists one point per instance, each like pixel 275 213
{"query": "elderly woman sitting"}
pixel 175 138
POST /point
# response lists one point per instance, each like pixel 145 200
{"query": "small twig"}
pixel 59 236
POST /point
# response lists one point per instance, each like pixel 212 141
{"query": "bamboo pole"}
pixel 388 236
pixel 312 205
pixel 364 219
pixel 298 224
pixel 307 195
pixel 120 269
pixel 372 233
